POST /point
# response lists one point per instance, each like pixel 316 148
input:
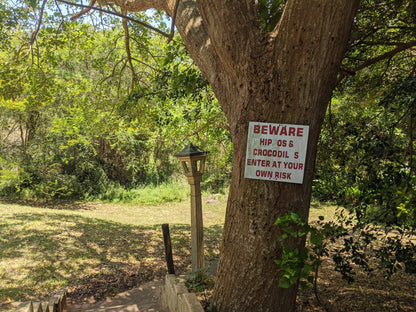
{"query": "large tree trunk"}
pixel 286 77
pixel 289 81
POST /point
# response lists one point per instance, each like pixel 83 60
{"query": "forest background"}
pixel 94 109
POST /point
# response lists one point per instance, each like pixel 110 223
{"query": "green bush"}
pixel 366 155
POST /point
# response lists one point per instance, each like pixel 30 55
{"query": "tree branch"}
pixel 383 43
pixel 144 47
pixel 35 33
pixel 233 32
pixel 127 46
pixel 369 62
pixel 365 36
pixel 115 14
pixel 83 11
pixel 203 127
pixel 172 28
pixel 145 64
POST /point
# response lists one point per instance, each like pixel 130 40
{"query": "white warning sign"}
pixel 276 152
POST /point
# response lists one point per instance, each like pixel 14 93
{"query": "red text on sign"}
pixel 278 130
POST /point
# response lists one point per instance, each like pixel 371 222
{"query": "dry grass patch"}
pixel 94 249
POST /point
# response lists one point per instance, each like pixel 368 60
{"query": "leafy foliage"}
pixel 369 156
pixel 78 119
pixel 298 266
pixel 365 156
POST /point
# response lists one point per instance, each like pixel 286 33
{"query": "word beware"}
pixel 274 129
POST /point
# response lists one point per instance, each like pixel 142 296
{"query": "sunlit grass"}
pixel 173 191
pixel 47 247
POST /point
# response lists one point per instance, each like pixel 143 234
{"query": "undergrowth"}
pixel 149 194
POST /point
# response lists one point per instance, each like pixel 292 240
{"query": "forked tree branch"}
pixel 172 28
pixel 116 14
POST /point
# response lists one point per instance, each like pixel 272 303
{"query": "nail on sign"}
pixel 276 152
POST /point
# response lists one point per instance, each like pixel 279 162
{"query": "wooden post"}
pixel 168 248
pixel 193 164
pixel 197 226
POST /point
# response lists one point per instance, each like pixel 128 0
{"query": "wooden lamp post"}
pixel 193 163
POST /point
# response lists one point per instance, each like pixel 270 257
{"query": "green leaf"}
pixel 284 283
pixel 316 238
pixel 33 3
pixel 283 237
pixel 303 285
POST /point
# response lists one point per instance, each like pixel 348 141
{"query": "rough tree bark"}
pixel 284 76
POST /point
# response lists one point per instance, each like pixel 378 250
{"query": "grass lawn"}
pixel 93 249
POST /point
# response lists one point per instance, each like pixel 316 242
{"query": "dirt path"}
pixel 141 299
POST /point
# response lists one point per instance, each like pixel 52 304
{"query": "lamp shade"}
pixel 193 162
pixel 191 150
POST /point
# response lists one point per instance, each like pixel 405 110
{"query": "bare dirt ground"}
pixel 144 298
pixel 367 294
pixel 372 293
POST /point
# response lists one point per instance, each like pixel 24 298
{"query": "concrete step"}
pixel 55 304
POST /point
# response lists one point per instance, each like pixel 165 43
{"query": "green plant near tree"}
pixel 300 267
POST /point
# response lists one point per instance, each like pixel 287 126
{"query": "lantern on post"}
pixel 193 164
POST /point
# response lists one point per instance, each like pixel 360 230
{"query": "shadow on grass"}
pixel 40 253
